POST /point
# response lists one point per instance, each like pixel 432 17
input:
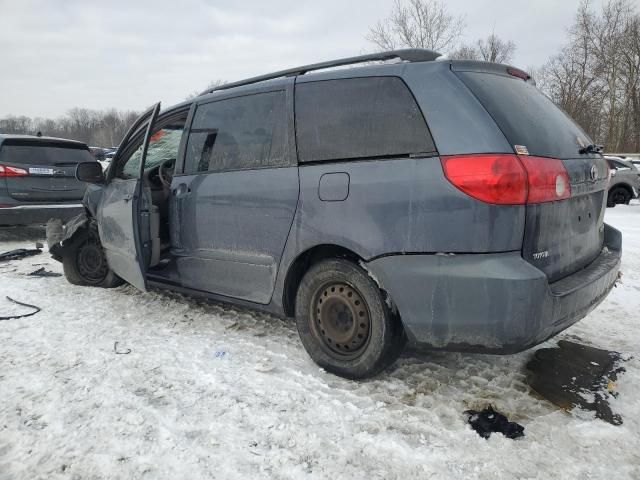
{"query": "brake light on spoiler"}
pixel 507 179
pixel 7 171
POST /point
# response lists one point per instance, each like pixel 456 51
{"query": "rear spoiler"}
pixel 45 142
pixel 490 67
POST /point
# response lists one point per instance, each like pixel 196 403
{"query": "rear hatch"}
pixel 42 170
pixel 560 236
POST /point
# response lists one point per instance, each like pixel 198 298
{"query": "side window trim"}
pixel 147 139
pixel 372 158
pixel 234 95
pixel 182 148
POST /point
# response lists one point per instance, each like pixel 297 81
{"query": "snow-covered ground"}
pixel 209 391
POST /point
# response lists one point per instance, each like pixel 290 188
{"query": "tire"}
pixel 84 262
pixel 367 336
pixel 618 196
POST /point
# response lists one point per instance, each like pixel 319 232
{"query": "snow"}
pixel 209 391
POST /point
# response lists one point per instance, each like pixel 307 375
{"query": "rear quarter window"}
pixel 46 154
pixel 526 116
pixel 358 118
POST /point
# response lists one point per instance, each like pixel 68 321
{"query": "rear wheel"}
pixel 343 321
pixel 618 196
pixel 84 262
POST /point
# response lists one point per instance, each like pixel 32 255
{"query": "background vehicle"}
pixel 98 152
pixel 37 178
pixel 447 203
pixel 624 183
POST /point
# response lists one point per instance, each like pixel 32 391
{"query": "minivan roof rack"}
pixel 407 55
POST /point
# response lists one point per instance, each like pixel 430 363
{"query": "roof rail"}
pixel 407 55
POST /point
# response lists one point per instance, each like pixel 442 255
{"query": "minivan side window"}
pixel 239 133
pixel 358 118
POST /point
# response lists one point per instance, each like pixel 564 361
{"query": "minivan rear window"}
pixel 358 118
pixel 526 116
pixel 45 154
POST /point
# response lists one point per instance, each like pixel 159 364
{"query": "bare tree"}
pixel 596 76
pixel 212 84
pixel 417 24
pixel 494 49
pixel 490 49
pixel 465 52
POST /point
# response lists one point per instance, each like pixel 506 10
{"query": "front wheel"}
pixel 84 262
pixel 343 321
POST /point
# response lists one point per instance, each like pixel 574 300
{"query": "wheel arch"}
pixel 60 235
pixel 301 265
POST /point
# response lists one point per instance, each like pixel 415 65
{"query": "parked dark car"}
pixel 37 178
pixel 624 183
pixel 445 203
pixel 97 152
pixel 109 153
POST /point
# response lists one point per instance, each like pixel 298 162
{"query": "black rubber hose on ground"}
pixel 36 310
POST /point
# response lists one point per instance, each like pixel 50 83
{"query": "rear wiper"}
pixel 591 148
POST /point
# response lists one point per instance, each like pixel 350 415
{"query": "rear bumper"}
pixel 38 214
pixel 492 303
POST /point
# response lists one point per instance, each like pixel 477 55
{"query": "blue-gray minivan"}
pixel 448 204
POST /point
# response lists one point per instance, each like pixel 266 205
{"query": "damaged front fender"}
pixel 59 235
pixel 92 197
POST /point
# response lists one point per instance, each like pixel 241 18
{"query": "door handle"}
pixel 127 198
pixel 182 190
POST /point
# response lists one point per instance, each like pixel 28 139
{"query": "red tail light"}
pixel 506 179
pixel 7 171
pixel 492 178
pixel 548 179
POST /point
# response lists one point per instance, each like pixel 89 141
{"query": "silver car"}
pixel 625 181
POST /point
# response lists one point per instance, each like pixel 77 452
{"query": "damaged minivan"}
pixel 448 204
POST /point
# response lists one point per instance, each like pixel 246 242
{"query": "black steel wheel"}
pixel 344 322
pixel 341 319
pixel 84 262
pixel 91 262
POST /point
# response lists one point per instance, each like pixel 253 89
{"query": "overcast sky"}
pixel 128 54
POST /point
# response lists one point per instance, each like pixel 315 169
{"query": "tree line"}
pixel 100 128
pixel 594 77
pixel 93 127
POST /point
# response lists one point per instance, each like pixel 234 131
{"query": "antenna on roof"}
pixel 405 55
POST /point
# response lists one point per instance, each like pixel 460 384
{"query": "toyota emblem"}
pixel 594 173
